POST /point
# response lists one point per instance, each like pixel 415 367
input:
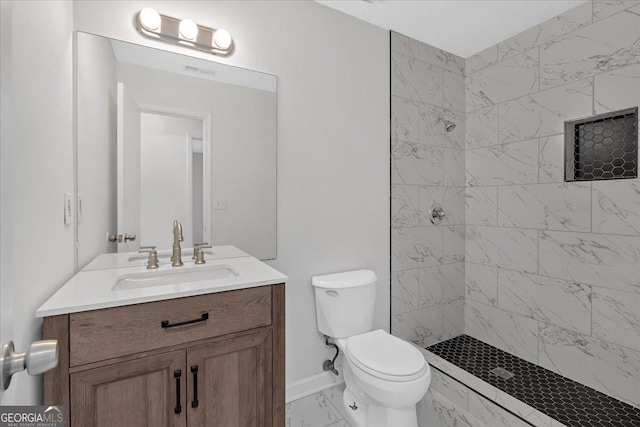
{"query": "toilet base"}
pixel 355 417
pixel 372 415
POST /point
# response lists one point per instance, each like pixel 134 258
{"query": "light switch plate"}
pixel 68 208
pixel 220 204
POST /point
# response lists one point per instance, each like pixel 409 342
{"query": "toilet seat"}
pixel 386 357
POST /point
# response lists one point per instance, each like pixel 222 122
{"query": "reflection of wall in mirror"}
pixel 96 128
pixel 243 134
pixel 165 187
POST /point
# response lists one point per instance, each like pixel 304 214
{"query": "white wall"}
pixel 333 138
pixel 37 168
pixel 96 128
pixel 164 178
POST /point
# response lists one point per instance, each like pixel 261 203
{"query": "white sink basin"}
pixel 173 277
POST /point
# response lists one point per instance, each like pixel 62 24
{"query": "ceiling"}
pixel 462 27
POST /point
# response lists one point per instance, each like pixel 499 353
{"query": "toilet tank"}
pixel 345 302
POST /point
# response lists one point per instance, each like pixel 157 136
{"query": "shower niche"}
pixel 602 147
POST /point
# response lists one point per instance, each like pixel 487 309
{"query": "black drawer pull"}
pixel 177 374
pixel 203 318
pixel 194 371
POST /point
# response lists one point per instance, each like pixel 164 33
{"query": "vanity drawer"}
pixel 113 332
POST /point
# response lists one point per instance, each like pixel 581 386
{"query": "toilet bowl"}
pixel 385 376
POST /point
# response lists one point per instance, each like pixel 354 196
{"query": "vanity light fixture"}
pixel 184 32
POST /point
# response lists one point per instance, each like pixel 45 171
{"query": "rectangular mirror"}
pixel 163 137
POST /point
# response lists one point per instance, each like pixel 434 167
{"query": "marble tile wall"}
pixel 427 86
pixel 450 403
pixel 552 269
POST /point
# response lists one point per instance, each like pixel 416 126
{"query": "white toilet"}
pixel 385 376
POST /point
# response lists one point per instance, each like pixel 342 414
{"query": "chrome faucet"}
pixel 176 258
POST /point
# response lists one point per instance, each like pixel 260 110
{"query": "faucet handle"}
pixel 197 246
pixel 152 263
pixel 200 255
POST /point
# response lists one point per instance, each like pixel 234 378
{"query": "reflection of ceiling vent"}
pixel 193 69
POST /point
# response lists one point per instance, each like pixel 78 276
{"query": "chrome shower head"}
pixel 449 126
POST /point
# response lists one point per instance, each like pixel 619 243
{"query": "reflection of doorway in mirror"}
pixel 196 145
pixel 173 147
pixel 128 174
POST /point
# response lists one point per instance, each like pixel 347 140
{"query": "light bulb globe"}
pixel 188 29
pixel 221 39
pixel 150 19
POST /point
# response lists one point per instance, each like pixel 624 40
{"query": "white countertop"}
pixel 92 290
pixel 135 259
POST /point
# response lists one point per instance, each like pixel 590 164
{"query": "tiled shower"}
pixel 544 269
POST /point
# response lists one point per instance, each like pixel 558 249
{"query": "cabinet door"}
pixel 230 382
pixel 149 391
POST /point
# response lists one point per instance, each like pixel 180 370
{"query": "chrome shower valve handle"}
pixel 436 214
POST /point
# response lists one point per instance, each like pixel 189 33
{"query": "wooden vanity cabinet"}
pixel 142 392
pixel 233 376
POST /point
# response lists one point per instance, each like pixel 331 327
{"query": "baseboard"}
pixel 312 384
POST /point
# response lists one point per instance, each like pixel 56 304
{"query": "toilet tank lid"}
pixel 347 279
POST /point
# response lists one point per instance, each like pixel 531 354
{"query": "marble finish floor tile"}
pixel 316 410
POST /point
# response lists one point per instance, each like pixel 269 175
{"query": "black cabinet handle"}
pixel 194 371
pixel 177 374
pixel 203 318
